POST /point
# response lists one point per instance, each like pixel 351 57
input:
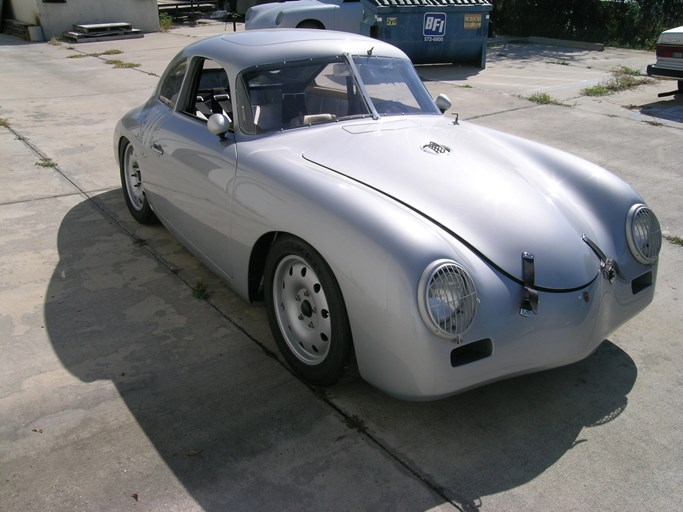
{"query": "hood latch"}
pixel 608 266
pixel 530 298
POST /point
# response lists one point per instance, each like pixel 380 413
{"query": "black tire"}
pixel 133 187
pixel 306 312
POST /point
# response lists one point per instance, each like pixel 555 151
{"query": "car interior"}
pixel 301 95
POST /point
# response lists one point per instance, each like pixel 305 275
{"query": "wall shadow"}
pixel 446 72
pixel 8 40
pixel 514 56
pixel 519 54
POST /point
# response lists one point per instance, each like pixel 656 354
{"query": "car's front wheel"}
pixel 306 312
pixel 133 188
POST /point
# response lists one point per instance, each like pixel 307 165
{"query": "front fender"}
pixel 376 248
pixel 599 199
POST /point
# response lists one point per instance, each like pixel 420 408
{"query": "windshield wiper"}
pixel 354 116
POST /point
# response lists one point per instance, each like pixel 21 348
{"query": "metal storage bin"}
pixel 433 31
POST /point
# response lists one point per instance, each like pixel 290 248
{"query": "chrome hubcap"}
pixel 133 179
pixel 302 310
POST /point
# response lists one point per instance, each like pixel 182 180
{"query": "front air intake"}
pixel 471 352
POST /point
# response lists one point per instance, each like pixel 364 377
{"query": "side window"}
pixel 209 92
pixel 264 92
pixel 173 81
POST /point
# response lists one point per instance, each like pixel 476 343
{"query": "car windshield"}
pixel 393 86
pixel 294 94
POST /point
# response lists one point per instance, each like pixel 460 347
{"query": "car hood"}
pixel 481 187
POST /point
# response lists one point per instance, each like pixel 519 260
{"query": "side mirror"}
pixel 443 103
pixel 218 124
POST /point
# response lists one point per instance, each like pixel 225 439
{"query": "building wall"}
pixel 23 10
pixel 56 18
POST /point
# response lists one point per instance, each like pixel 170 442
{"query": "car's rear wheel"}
pixel 306 312
pixel 311 24
pixel 133 187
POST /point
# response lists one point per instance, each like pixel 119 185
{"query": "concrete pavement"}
pixel 120 391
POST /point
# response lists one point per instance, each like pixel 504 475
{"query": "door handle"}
pixel 157 149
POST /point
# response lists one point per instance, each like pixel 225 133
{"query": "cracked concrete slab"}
pixel 116 382
pixel 120 390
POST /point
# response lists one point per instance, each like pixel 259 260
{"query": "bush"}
pixel 623 78
pixel 165 21
pixel 626 23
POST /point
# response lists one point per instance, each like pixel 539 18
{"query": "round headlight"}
pixel 447 299
pixel 643 233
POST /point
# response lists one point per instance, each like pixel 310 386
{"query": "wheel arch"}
pixel 122 142
pixel 257 264
pixel 311 23
pixel 257 261
pixel 256 276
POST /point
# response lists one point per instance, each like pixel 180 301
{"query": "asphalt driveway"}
pixel 119 390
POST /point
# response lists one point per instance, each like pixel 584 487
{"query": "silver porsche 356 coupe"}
pixel 312 169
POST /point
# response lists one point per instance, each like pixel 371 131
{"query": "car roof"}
pixel 240 50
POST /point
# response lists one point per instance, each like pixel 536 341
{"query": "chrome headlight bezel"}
pixel 447 299
pixel 643 234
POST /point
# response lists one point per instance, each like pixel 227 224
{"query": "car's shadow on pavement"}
pixel 234 427
pixel 670 108
pixel 504 435
pixel 229 422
